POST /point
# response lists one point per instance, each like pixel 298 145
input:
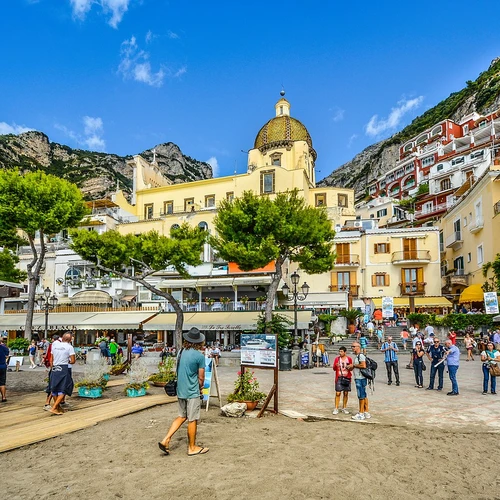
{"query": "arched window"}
pixel 72 273
pixel 445 184
pixel 422 139
pixel 203 225
pixel 174 226
pixel 436 131
pixel 408 147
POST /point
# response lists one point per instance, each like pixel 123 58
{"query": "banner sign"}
pixel 387 307
pixel 490 303
pixel 208 378
pixel 258 349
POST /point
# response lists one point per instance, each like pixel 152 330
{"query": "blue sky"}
pixel 124 75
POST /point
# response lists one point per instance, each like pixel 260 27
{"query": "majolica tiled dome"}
pixel 282 131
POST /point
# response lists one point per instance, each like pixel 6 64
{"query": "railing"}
pixel 434 209
pixel 412 288
pixel 476 224
pixel 347 260
pixel 458 278
pixel 415 255
pixel 456 237
pixel 251 305
pixel 351 289
pixel 89 308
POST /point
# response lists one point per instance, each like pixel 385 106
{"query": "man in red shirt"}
pixel 377 316
pixel 343 378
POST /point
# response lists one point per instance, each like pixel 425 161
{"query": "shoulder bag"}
pixel 495 370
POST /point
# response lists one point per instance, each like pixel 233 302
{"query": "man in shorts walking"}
pixel 190 380
pixel 358 363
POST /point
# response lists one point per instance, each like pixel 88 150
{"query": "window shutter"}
pixel 352 278
pixel 261 183
pixel 388 246
pixel 387 280
pixel 402 276
pixel 420 275
pixel 334 280
pixel 375 248
pixel 374 280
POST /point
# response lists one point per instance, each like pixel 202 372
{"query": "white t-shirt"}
pixel 61 352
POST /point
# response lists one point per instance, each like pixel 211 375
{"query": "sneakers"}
pixel 397 383
pixel 47 407
pixel 452 393
pixel 335 411
pixel 367 415
pixel 485 392
pixel 358 416
pixel 345 411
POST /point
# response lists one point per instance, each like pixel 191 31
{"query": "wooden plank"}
pixel 45 428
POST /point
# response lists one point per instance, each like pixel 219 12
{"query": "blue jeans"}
pixel 361 387
pixel 452 372
pixel 486 378
pixel 440 371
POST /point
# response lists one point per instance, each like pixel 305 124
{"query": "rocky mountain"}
pixel 96 174
pixel 481 95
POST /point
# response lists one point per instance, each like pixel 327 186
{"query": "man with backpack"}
pixel 358 364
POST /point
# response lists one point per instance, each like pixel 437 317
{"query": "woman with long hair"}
pixel 418 364
pixel 490 357
pixel 469 346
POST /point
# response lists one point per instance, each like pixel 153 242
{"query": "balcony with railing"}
pixel 457 278
pixel 411 256
pixel 351 260
pixel 476 224
pixel 454 240
pixel 353 290
pixel 412 288
pixel 429 211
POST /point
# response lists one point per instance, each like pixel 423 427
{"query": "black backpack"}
pixel 371 367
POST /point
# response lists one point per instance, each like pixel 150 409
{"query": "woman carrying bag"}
pixel 418 364
pixel 490 358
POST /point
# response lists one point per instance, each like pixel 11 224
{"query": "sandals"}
pixel 202 451
pixel 164 448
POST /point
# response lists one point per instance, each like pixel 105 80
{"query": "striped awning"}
pixel 91 297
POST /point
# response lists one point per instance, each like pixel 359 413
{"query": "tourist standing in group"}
pixel 490 357
pixel 4 356
pixel 452 357
pixel 103 347
pixel 32 354
pixel 62 354
pixel 358 363
pixel 343 378
pixel 190 380
pixel 496 339
pixel 435 354
pixel 390 350
pixel 469 346
pixel 418 363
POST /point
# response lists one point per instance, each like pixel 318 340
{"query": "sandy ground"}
pixel 274 457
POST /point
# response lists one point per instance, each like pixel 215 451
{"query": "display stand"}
pixel 216 379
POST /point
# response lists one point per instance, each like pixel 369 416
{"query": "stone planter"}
pixel 90 392
pixel 135 393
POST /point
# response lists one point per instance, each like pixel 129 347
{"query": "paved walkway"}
pixel 311 393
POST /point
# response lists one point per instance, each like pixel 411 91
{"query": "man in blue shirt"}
pixel 452 356
pixel 4 354
pixel 190 380
pixel 435 353
pixel 390 349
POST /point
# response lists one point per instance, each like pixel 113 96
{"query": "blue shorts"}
pixel 361 387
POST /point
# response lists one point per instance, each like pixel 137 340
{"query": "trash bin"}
pixel 285 358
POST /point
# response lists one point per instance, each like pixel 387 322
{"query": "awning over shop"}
pixel 116 320
pixel 236 320
pixel 129 298
pixel 328 299
pixel 473 293
pixel 215 281
pixel 91 297
pixel 14 321
pixel 404 302
pixel 57 321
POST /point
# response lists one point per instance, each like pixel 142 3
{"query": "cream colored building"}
pixel 469 234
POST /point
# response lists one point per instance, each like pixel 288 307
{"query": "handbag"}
pixel 495 371
pixel 424 367
pixel 344 380
pixel 171 387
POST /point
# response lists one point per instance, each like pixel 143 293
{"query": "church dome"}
pixel 282 131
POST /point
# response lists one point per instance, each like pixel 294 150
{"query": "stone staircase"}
pixel 394 332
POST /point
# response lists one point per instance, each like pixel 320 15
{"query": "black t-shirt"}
pixel 436 353
pixel 4 354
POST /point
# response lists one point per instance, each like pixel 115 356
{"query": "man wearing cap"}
pixel 190 380
pixel 4 355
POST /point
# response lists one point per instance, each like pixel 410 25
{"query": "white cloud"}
pixel 180 72
pixel 149 36
pixel 134 64
pixel 116 8
pixel 93 130
pixel 212 161
pixel 5 128
pixel 376 127
pixel 338 114
pixel 172 35
pixel 351 140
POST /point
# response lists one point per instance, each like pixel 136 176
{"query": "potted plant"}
pixel 351 315
pixel 93 381
pixel 244 299
pixel 209 301
pixel 137 382
pixel 246 390
pixel 166 373
pixel 225 300
pixel 192 301
pixel 105 281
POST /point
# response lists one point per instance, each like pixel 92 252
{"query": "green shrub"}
pixel 20 345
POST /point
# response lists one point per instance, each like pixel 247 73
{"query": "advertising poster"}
pixel 387 307
pixel 208 378
pixel 490 303
pixel 258 349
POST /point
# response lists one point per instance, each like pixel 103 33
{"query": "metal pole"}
pixel 295 334
pixel 46 320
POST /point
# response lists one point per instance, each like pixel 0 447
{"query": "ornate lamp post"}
pixel 295 294
pixel 47 303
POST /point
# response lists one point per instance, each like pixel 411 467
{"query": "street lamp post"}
pixel 47 303
pixel 295 294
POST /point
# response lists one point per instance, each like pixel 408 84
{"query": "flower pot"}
pixel 90 392
pixel 352 328
pixel 251 405
pixel 135 393
pixel 159 384
pixel 106 376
